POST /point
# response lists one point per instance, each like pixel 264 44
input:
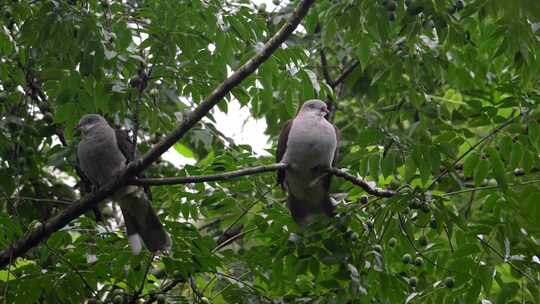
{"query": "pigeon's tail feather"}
pixel 142 221
pixel 301 211
pixel 135 243
pixel 327 206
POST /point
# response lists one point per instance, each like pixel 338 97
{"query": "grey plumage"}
pixel 308 144
pixel 102 154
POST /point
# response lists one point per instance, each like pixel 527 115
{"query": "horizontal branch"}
pixel 535 181
pixel 156 181
pixel 38 234
pixel 255 170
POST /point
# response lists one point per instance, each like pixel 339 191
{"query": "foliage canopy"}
pixel 438 99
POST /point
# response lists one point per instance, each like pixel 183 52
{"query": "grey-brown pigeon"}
pixel 101 155
pixel 308 144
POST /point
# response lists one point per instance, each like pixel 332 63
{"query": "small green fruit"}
pixel 460 5
pixel 118 292
pixel 449 282
pixel 161 299
pixel 419 261
pixel 406 258
pixel 364 199
pixel 48 117
pixel 369 224
pixel 433 224
pixel 391 5
pixel 425 208
pixel 392 242
pixel 413 281
pixel 276 2
pixel 205 300
pixel 261 8
pixel 423 241
pixel 406 211
pixel 118 299
pixel 377 248
pixel 416 203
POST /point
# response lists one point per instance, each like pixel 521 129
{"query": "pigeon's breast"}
pixel 311 143
pixel 99 157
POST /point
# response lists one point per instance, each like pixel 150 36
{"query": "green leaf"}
pixel 498 167
pixel 506 147
pixel 470 164
pixel 481 172
pixel 184 150
pixel 473 292
pixel 374 165
pixel 516 155
pixel 389 163
pixel 534 134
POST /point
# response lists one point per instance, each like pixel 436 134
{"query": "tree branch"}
pixel 35 236
pixel 345 74
pixel 362 183
pixel 154 296
pixel 473 147
pixel 159 181
pixel 324 65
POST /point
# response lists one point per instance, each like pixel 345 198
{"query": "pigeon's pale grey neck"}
pixel 88 130
pixel 311 113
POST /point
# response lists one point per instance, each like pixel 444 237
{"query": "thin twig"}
pixel 491 187
pixel 74 269
pixel 447 232
pixel 345 73
pixel 232 239
pixel 139 291
pixel 505 259
pixel 43 200
pixel 420 253
pixel 324 65
pixel 196 292
pixel 469 204
pixel 472 148
pixel 153 296
pixel 226 287
pixel 7 281
pixel 243 283
pixel 244 212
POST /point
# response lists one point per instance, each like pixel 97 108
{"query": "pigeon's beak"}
pixel 325 110
pixel 77 127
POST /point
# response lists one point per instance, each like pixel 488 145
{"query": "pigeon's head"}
pixel 314 107
pixel 89 121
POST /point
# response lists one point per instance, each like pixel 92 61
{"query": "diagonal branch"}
pixel 473 147
pixel 152 297
pixel 345 74
pixel 362 183
pixel 35 236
